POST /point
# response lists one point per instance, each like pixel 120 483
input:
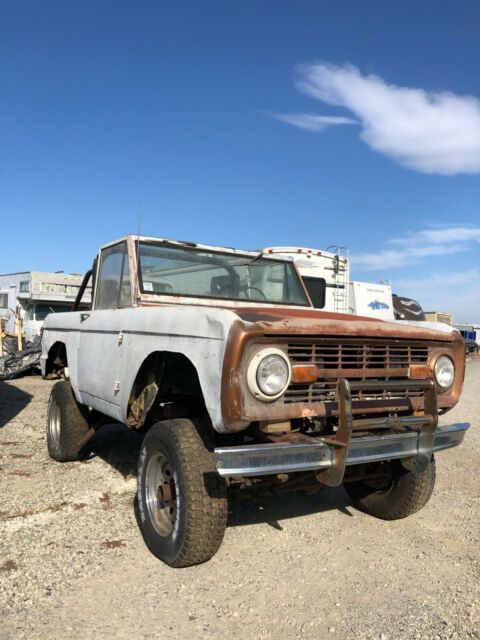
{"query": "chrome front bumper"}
pixel 265 459
pixel 417 438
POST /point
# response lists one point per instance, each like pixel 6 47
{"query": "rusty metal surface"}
pixel 239 407
pixel 300 321
pixel 293 437
pixel 333 477
pixel 427 434
pixel 357 359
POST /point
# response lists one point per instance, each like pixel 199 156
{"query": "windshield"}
pixel 170 270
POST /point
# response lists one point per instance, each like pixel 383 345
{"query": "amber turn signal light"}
pixel 302 373
pixel 419 372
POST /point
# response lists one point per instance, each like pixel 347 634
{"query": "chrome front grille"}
pixel 373 360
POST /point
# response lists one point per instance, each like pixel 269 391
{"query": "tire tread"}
pixel 73 423
pixel 205 494
pixel 411 493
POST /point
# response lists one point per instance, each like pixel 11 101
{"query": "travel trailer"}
pixel 325 275
pixel 371 299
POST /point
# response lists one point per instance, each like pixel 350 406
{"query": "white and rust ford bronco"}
pixel 240 385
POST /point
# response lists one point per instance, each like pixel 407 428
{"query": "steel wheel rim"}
pixel 54 423
pixel 161 495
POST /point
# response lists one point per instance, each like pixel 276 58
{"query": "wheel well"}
pixel 166 386
pixel 57 360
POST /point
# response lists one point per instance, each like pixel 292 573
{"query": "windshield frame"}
pixel 249 257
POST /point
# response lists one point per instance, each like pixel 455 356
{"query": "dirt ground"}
pixel 73 562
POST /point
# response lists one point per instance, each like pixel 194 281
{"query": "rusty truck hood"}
pixel 312 322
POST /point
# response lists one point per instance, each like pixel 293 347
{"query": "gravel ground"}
pixel 73 562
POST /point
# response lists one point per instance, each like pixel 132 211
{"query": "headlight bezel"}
pixel 252 371
pixel 441 357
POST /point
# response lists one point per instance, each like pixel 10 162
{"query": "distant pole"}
pixel 18 321
pixel 1 338
pixel 137 257
pixel 139 226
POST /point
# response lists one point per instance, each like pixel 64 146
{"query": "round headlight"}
pixel 272 375
pixel 268 374
pixel 444 372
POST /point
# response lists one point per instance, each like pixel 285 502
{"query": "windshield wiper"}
pixel 251 261
pixel 259 255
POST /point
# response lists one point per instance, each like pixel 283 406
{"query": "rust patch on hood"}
pixel 281 321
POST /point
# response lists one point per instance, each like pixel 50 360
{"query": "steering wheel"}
pixel 248 288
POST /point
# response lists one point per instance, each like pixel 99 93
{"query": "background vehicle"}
pixel 471 346
pixel 408 309
pixel 469 332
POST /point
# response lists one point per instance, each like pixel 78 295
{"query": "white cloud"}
pixel 311 122
pixel 447 234
pixel 433 286
pixel 455 292
pixel 429 131
pixel 414 247
pixel 396 258
pixel 445 279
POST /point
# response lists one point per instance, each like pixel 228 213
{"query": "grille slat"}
pixel 355 361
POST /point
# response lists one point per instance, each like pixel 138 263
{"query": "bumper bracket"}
pixel 417 438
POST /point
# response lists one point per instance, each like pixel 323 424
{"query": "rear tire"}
pixel 404 493
pixel 67 424
pixel 182 500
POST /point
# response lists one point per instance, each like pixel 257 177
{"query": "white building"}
pixel 32 295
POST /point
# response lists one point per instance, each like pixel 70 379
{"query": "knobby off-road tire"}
pixel 67 424
pixel 182 500
pixel 406 492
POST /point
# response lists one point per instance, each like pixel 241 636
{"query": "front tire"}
pixel 67 424
pixel 401 494
pixel 182 500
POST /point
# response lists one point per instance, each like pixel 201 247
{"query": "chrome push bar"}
pixel 417 437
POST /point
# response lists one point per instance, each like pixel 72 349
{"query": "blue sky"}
pixel 247 124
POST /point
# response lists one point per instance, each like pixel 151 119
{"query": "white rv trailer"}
pixel 371 299
pixel 324 273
